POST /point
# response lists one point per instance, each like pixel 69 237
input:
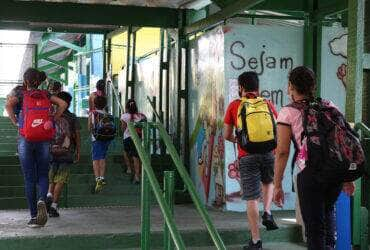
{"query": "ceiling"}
pixel 146 3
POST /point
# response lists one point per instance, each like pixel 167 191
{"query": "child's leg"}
pixel 53 210
pixel 102 166
pixel 96 167
pixel 137 167
pixel 127 161
pixel 51 188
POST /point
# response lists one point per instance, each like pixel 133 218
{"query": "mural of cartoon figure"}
pixel 338 47
pixel 234 174
pixel 207 85
pixel 210 151
pixel 218 167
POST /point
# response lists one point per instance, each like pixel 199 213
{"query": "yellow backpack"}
pixel 256 128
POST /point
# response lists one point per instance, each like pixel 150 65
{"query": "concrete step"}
pixel 92 200
pixel 113 178
pixel 266 246
pixel 13 160
pixel 119 228
pixel 77 189
pixel 85 168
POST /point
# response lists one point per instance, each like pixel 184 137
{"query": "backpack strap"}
pixel 301 106
pixel 93 119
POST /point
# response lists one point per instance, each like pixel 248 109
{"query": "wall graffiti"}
pixel 338 47
pixel 334 65
pixel 207 95
pixel 271 52
pixel 258 63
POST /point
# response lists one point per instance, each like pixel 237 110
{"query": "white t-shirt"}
pixel 127 117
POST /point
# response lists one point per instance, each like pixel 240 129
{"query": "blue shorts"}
pixel 99 150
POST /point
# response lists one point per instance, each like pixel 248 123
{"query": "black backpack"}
pixel 104 127
pixel 333 147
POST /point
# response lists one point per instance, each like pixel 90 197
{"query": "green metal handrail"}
pixel 190 186
pixel 152 105
pixel 365 130
pixel 149 173
pixel 360 214
pixel 185 177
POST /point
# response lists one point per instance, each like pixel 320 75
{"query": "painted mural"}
pixel 270 51
pixel 334 65
pixel 206 117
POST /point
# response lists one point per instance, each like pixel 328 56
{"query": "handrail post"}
pixel 189 184
pixel 169 188
pixel 154 106
pixel 145 159
pixel 145 198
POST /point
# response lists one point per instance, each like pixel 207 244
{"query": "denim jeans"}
pixel 317 207
pixel 34 158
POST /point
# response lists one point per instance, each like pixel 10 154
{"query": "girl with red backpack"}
pixel 36 129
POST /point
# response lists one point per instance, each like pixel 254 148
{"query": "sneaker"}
pixel 136 180
pixel 252 246
pixel 53 212
pixel 99 186
pixel 32 223
pixel 48 202
pixel 103 182
pixel 42 216
pixel 268 222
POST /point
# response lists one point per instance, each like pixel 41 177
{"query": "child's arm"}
pixel 123 125
pixel 89 122
pixel 91 103
pixel 11 102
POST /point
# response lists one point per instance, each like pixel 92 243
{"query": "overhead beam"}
pixel 57 27
pixel 86 14
pixel 281 5
pixel 235 8
pixel 52 52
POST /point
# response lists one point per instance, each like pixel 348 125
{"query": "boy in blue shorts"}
pixel 100 120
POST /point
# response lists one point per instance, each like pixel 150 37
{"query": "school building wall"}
pixel 217 57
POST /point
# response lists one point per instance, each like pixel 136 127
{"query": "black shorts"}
pixel 254 169
pixel 129 147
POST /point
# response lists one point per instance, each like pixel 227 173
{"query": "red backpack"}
pixel 38 124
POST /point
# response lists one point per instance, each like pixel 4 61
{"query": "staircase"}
pixel 79 191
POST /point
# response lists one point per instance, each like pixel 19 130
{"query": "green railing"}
pixel 360 211
pixel 165 199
